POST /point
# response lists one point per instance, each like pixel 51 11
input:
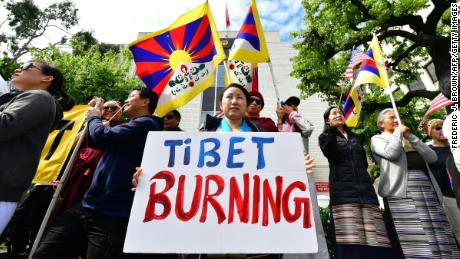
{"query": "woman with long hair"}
pixel 27 116
pixel 358 224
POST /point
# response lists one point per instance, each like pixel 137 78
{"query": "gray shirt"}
pixel 388 152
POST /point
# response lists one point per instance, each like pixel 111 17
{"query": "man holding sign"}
pixel 99 222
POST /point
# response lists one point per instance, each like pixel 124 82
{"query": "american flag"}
pixel 439 102
pixel 357 57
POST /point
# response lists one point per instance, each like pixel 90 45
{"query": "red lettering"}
pixel 255 199
pixel 275 204
pixel 180 213
pixel 235 197
pixel 306 211
pixel 210 198
pixel 298 206
pixel 160 197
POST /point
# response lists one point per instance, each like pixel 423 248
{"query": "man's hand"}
pixel 93 112
pixel 135 180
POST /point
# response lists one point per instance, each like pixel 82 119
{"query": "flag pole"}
pixel 274 83
pixel 59 188
pixel 215 91
pixel 227 74
pixel 393 103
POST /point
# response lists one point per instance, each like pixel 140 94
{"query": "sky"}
pixel 119 21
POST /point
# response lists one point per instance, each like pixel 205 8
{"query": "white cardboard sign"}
pixel 222 193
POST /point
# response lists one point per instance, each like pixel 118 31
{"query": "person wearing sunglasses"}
pixel 440 145
pixel 171 121
pixel 27 116
pixel 256 104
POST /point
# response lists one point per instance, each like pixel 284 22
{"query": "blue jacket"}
pixel 110 191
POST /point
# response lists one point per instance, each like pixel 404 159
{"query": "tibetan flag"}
pixel 352 107
pixel 373 70
pixel 249 45
pixel 59 144
pixel 243 73
pixel 179 62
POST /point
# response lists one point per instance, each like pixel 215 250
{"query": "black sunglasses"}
pixel 29 65
pixel 438 128
pixel 258 102
pixel 106 108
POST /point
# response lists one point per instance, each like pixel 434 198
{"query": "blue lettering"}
pixel 172 150
pixel 212 153
pixel 260 149
pixel 187 151
pixel 232 151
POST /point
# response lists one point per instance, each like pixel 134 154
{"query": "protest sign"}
pixel 222 193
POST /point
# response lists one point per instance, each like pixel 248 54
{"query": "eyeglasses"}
pixel 29 65
pixel 113 108
pixel 258 101
pixel 438 128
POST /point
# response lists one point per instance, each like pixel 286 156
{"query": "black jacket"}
pixel 348 177
pixel 212 123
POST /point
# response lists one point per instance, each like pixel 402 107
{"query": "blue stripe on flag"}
pixel 190 30
pixel 142 55
pixel 152 80
pixel 373 70
pixel 252 39
pixel 164 40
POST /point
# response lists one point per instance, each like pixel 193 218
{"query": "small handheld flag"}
pixel 439 102
pixel 373 70
pixel 357 57
pixel 352 106
pixel 178 62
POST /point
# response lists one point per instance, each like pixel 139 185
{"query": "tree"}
pixel 25 22
pixel 333 28
pixel 92 73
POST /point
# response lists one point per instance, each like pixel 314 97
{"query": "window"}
pixel 210 96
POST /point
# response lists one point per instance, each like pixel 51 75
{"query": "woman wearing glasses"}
pixel 27 116
pixel 440 145
pixel 415 218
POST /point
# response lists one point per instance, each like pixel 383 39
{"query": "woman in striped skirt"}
pixel 415 219
pixel 359 227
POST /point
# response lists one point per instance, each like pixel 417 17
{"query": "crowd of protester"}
pixel 418 181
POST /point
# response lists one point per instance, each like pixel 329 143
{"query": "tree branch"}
pixel 362 8
pixel 370 107
pixel 404 55
pixel 21 51
pixel 415 22
pixel 440 6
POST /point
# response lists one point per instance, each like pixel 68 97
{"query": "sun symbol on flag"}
pixel 158 57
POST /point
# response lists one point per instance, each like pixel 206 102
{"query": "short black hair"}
pixel 242 88
pixel 176 114
pixel 146 93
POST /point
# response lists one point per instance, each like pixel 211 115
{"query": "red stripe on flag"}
pixel 177 36
pixel 147 68
pixel 249 29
